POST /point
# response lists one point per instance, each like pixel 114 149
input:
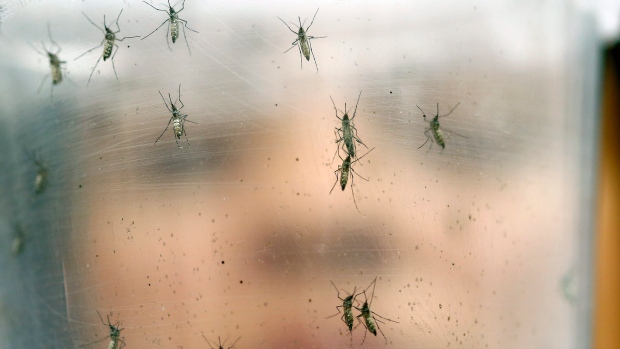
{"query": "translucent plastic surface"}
pixel 482 244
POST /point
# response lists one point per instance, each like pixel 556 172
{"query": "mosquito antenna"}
pixel 373 291
pixel 235 342
pixel 423 113
pixel 330 97
pixel 166 103
pixel 333 284
pixel 440 116
pixel 358 100
pixel 203 336
pixel 317 11
pixel 49 32
pixel 175 5
pixel 289 28
pixel 93 23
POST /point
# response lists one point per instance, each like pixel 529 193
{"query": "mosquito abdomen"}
pixel 372 327
pixel 348 316
pixel 344 177
pixel 305 49
pixel 107 48
pixel 56 74
pixel 439 137
pixel 174 30
pixel 178 128
pixel 113 344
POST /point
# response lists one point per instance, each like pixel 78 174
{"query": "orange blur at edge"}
pixel 607 287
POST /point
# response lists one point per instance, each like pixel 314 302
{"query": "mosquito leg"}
pixel 167 34
pixel 353 192
pixel 427 138
pixel 185 23
pixel 180 101
pixel 42 82
pixel 336 174
pixel 162 23
pixel 301 57
pixel 290 48
pixel 102 41
pixel 91 73
pixel 312 53
pixel 114 68
pixel 366 327
pixel 185 36
pixel 185 133
pixel 166 129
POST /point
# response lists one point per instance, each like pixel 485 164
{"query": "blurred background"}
pixel 504 239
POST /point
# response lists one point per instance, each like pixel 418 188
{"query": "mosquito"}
pixel 178 120
pixel 40 181
pixel 55 62
pixel 370 321
pixel 303 40
pixel 41 178
pixel 19 239
pixel 347 308
pixel 115 334
pixel 347 134
pixel 220 345
pixel 108 43
pixel 346 170
pixel 435 129
pixel 173 25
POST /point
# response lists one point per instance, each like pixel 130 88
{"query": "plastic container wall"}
pixel 486 243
